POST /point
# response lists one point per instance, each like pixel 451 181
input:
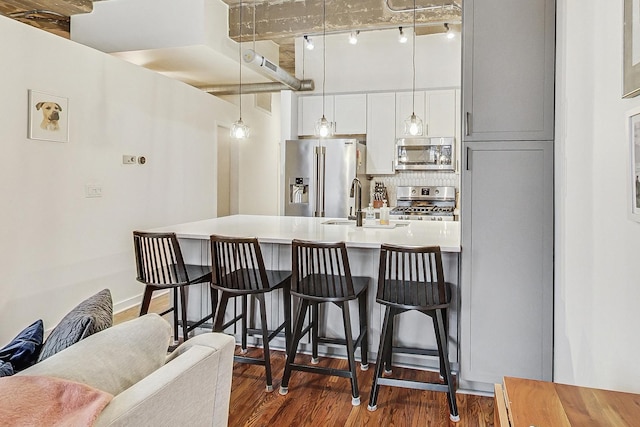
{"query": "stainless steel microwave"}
pixel 425 154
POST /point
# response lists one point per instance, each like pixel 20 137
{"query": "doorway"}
pixel 227 188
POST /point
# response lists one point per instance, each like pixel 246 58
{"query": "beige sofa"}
pixel 191 386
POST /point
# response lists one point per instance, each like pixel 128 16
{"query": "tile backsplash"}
pixel 416 178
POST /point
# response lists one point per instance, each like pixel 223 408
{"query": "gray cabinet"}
pixel 507 257
pixel 508 70
pixel 506 316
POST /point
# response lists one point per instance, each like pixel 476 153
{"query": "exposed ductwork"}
pixel 272 70
pixel 305 85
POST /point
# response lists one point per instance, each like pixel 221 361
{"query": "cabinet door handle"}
pixel 467 124
pixel 468 160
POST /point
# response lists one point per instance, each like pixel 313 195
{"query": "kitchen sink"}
pixel 353 222
pixel 340 222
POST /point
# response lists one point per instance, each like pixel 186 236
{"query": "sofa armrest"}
pixel 193 388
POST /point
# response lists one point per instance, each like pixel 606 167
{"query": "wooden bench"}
pixel 524 403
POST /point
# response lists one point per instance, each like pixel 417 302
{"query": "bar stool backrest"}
pixel 237 264
pixel 159 260
pixel 320 271
pixel 412 277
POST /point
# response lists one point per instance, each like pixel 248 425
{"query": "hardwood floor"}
pixel 326 401
pixel 320 400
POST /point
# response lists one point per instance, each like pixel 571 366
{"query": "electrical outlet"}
pixel 128 159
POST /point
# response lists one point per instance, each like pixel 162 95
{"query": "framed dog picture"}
pixel 633 129
pixel 48 117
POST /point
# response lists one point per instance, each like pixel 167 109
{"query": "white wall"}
pixel 597 247
pixel 58 247
pixel 380 63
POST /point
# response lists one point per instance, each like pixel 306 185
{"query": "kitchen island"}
pixel 275 234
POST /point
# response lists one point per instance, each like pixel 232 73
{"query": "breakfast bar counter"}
pixel 275 234
pixel 283 229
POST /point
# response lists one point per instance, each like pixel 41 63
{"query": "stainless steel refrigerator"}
pixel 318 176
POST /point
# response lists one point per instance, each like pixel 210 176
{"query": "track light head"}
pixel 353 37
pixel 449 32
pixel 402 37
pixel 308 43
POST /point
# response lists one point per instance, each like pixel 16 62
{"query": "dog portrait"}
pixel 48 117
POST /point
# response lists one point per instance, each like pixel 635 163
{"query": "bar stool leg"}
pixel 314 333
pixel 183 313
pixel 286 295
pixel 297 334
pixel 222 308
pixel 441 337
pixel 265 341
pixel 364 331
pixel 146 300
pixel 388 342
pixel 346 319
pixel 243 323
pixel 373 398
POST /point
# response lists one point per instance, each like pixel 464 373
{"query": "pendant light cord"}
pixel 240 58
pixel 254 25
pixel 413 107
pixel 324 49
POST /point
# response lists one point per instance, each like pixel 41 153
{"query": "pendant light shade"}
pixel 239 130
pixel 413 124
pixel 324 128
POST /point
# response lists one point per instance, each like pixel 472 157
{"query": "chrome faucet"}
pixel 356 194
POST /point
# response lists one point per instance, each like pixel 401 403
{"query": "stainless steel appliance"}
pixel 318 176
pixel 425 154
pixel 425 203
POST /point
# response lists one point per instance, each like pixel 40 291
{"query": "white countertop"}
pixel 283 229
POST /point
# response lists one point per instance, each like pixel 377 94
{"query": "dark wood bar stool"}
pixel 160 266
pixel 321 274
pixel 412 278
pixel 239 271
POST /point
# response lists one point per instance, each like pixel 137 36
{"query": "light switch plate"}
pixel 92 190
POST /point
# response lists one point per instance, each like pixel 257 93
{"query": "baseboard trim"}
pixel 134 301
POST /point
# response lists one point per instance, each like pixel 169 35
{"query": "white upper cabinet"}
pixel 349 112
pixel 310 111
pixel 441 113
pixel 404 108
pixel 381 133
pixel 436 108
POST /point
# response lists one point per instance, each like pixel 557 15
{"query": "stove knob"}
pixel 439 218
pixel 420 218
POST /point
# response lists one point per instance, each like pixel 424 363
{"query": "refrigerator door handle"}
pixel 320 173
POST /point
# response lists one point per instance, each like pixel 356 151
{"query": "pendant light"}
pixel 239 130
pixel 324 128
pixel 413 124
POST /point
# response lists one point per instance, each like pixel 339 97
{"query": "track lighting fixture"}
pixel 353 37
pixel 402 37
pixel 308 43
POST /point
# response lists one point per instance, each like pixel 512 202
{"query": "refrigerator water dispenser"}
pixel 299 190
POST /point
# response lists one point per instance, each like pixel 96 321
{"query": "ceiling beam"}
pixel 295 18
pixel 63 7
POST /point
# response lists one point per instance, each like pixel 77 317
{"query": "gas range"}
pixel 425 203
